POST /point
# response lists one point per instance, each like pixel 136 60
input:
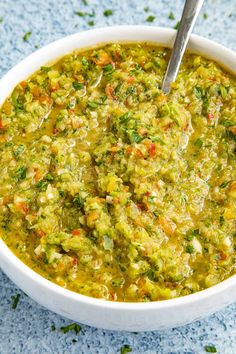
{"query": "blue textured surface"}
pixel 27 329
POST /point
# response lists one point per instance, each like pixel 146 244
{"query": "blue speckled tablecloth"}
pixel 27 329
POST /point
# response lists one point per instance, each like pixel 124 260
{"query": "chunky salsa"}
pixel 114 190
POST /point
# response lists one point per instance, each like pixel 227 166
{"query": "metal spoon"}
pixel 188 19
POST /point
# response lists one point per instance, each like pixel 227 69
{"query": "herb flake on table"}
pixel 171 16
pixel 108 12
pixel 125 349
pixel 15 301
pixel 27 36
pixel 80 13
pixel 205 16
pixel 91 23
pixel 150 18
pixel 210 349
pixel 177 25
pixel 72 327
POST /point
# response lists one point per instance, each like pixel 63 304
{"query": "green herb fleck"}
pixel 135 137
pixel 20 173
pixel 80 13
pixel 171 16
pixel 177 25
pixel 189 249
pixel 108 67
pixel 9 143
pixel 78 201
pixel 146 9
pixel 223 92
pixel 107 13
pixel 53 328
pixel 228 123
pixel 210 349
pixel 1 19
pixel 15 301
pixel 45 69
pixel 125 349
pixel 224 184
pixel 150 18
pixel 91 23
pixel 84 62
pixel 26 36
pixel 49 177
pixel 198 143
pixel 19 150
pixel 205 15
pixel 85 2
pixel 78 85
pixel 191 234
pixel 42 184
pixel 198 92
pixel 222 220
pixel 72 327
pixel 125 117
pixel 93 104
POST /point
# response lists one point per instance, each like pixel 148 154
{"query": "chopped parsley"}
pixel 205 16
pixel 198 143
pixel 150 18
pixel 1 19
pixel 224 184
pixel 27 36
pixel 80 13
pixel 53 327
pixel 72 327
pixel 227 123
pixel 15 301
pixel 20 173
pixel 210 349
pixel 198 92
pixel 78 85
pixel 91 23
pixel 45 69
pixel 84 62
pixel 189 249
pixel 171 16
pixel 85 2
pixel 108 68
pixel 146 9
pixel 222 220
pixel 19 150
pixel 177 25
pixel 108 13
pixel 125 349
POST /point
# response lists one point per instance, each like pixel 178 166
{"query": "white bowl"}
pixel 95 312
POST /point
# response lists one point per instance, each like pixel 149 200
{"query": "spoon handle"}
pixel 189 16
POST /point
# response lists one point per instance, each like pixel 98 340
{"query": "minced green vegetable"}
pixel 125 349
pixel 27 36
pixel 114 190
pixel 150 18
pixel 210 349
pixel 15 301
pixel 72 327
pixel 108 12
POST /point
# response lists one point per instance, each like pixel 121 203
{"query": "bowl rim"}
pixel 195 45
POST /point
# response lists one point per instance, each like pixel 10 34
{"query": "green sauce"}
pixel 114 190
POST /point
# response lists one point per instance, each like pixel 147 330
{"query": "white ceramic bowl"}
pixel 95 312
